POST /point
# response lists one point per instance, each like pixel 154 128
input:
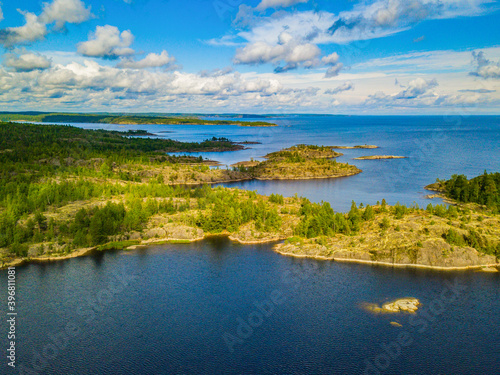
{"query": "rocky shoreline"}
pixel 486 267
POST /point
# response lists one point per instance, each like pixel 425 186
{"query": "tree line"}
pixel 483 189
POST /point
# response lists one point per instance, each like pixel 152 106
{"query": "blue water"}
pixel 436 147
pixel 178 303
pixel 178 309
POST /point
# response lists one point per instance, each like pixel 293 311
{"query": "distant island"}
pixel 379 157
pixel 121 119
pixel 67 191
pixel 354 147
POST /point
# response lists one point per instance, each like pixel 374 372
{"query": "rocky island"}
pixel 303 162
pixel 408 305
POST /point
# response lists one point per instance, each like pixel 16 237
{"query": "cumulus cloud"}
pixel 65 11
pixel 291 52
pixel 418 93
pixel 107 42
pixel 94 85
pixel 31 31
pixel 266 4
pixel 304 31
pixel 58 12
pixel 286 50
pixel 334 71
pixel 26 62
pixel 385 17
pixel 152 60
pixel 416 88
pixel 346 86
pixel 367 20
pixel 484 68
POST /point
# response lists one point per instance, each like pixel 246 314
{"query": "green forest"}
pixel 484 189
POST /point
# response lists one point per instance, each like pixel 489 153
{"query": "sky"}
pixel 263 56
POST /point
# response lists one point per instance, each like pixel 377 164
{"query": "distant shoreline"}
pixel 380 157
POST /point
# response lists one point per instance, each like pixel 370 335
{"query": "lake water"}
pixel 177 309
pixel 216 307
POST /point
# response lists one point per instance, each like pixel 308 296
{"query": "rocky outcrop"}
pixel 408 305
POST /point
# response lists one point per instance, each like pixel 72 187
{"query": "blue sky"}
pixel 263 56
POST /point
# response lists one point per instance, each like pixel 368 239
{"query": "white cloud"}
pixel 26 62
pixel 385 17
pixel 265 4
pixel 419 91
pixel 1 13
pixel 89 85
pixel 292 53
pixel 31 31
pixel 286 50
pixel 94 86
pixel 346 86
pixel 306 30
pixel 416 88
pixel 365 21
pixel 152 60
pixel 484 67
pixel 59 12
pixel 65 11
pixel 107 42
pixel 334 70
